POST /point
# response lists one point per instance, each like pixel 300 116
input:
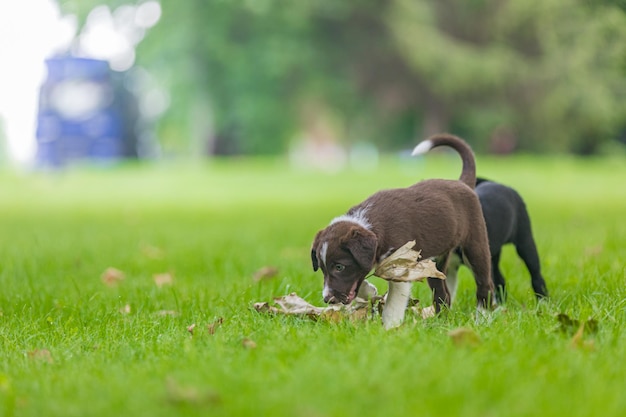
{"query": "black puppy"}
pixel 507 221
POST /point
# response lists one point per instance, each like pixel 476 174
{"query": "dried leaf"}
pixel 464 336
pixel 264 307
pixel 403 266
pixel 152 252
pixel 428 312
pixel 167 313
pixel 360 314
pixel 591 326
pixel 125 309
pixel 572 326
pixel 292 304
pixel 213 326
pixel 333 316
pixel 111 276
pixel 567 324
pixel 41 354
pixel 177 393
pixel 594 251
pixel 248 343
pixel 191 328
pixel 578 340
pixel 265 273
pixel 163 279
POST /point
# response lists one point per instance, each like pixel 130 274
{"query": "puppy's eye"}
pixel 339 267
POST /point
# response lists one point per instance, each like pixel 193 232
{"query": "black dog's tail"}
pixel 468 173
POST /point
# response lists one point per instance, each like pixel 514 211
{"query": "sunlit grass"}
pixel 72 346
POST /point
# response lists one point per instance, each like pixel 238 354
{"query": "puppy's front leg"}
pixel 396 303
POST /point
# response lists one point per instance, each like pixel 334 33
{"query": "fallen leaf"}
pixel 264 307
pixel 567 324
pixel 152 252
pixel 465 337
pixel 591 326
pixel 167 313
pixel 577 341
pixel 41 354
pixel 163 279
pixel 125 309
pixel 177 393
pixel 359 314
pixel 213 326
pixel 292 304
pixel 333 316
pixel 594 251
pixel 571 326
pixel 248 343
pixel 111 276
pixel 428 312
pixel 191 328
pixel 265 273
pixel 403 266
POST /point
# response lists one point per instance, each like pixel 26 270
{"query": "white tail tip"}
pixel 422 147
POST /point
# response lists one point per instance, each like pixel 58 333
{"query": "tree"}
pixel 541 75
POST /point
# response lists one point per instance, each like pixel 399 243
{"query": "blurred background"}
pixel 325 82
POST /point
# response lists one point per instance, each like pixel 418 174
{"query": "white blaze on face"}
pixel 326 292
pixel 323 252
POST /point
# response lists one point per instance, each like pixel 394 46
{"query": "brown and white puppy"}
pixel 440 215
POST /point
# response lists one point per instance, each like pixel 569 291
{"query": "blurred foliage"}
pixel 249 75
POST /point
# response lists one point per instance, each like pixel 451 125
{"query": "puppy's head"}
pixel 345 253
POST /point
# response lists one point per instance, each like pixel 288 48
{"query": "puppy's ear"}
pixel 362 245
pixel 314 248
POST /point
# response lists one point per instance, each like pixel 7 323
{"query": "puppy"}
pixel 507 221
pixel 440 215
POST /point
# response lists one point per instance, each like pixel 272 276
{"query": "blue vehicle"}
pixel 83 114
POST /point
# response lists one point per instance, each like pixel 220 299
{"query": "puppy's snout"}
pixel 331 299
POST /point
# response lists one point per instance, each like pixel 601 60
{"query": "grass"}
pixel 72 346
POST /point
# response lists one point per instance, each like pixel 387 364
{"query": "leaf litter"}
pixel 265 273
pixel 464 337
pixel 403 265
pixel 43 355
pixel 212 327
pixel 163 279
pixel 578 329
pixel 177 393
pixel 112 276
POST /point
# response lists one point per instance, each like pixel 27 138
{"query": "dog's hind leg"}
pixel 476 256
pixel 498 278
pixel 452 274
pixel 526 249
pixel 441 295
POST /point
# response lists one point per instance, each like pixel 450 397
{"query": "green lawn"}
pixel 72 346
